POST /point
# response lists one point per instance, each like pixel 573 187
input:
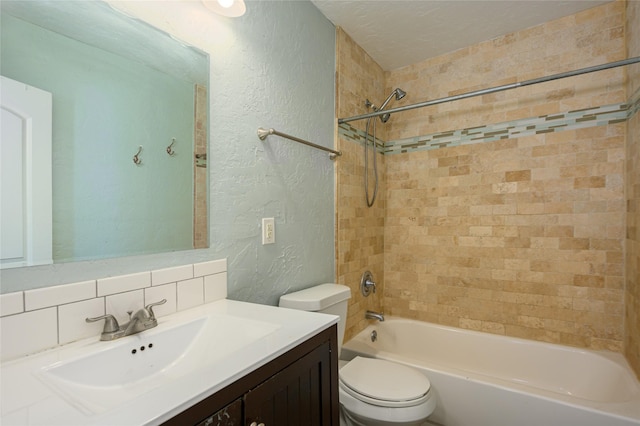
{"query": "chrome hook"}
pixel 170 150
pixel 136 158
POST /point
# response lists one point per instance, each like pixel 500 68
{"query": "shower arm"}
pixel 494 89
pixel 384 104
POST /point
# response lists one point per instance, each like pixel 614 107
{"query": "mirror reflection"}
pixel 129 133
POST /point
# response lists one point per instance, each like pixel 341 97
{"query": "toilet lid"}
pixel 384 380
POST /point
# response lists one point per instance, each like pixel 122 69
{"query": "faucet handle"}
pixel 371 284
pixel 367 284
pixel 150 306
pixel 110 324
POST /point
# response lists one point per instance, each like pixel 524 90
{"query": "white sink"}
pixel 195 353
pixel 110 373
pixel 130 361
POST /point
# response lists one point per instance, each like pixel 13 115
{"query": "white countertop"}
pixel 27 400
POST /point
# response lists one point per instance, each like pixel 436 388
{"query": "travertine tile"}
pixel 523 236
pixel 631 337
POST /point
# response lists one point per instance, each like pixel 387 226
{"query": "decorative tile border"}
pixel 571 120
pixel 351 133
pixel 578 119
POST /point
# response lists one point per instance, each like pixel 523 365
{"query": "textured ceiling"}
pixel 397 33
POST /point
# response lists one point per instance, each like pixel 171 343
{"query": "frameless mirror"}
pixel 129 134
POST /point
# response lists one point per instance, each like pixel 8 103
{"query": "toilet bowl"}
pixel 372 392
pixel 376 392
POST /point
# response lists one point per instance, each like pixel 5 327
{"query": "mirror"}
pixel 130 118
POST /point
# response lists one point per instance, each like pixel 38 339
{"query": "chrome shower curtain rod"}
pixel 495 89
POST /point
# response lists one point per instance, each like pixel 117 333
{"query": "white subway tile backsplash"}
pixel 209 268
pixel 34 320
pixel 171 275
pixel 71 320
pixel 11 303
pixel 215 287
pixel 122 283
pixel 119 304
pixel 190 293
pixel 58 295
pixel 28 332
pixel 157 293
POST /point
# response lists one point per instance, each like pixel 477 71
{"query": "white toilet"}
pixel 373 392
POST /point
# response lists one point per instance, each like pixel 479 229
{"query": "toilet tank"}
pixel 324 298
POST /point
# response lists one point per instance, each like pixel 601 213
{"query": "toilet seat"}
pixel 384 383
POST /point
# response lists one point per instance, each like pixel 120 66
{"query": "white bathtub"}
pixel 482 379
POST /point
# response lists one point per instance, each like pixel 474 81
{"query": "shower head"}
pixel 399 94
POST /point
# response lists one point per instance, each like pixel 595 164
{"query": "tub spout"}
pixel 374 315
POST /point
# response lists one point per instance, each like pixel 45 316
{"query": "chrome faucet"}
pixel 143 319
pixel 367 285
pixel 374 315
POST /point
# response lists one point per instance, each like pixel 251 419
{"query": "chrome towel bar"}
pixel 263 133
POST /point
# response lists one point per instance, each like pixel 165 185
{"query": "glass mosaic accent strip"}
pixel 571 120
pixel 578 119
pixel 351 133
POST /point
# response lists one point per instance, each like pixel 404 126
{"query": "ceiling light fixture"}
pixel 229 8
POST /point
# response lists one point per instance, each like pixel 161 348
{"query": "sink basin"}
pixel 189 356
pixel 111 373
pixel 130 361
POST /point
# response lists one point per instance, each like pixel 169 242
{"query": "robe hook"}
pixel 170 150
pixel 136 158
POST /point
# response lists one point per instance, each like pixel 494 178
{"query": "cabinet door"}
pixel 298 395
pixel 231 415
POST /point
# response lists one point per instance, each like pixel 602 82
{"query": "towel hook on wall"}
pixel 170 150
pixel 136 158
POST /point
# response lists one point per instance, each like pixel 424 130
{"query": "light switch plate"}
pixel 268 230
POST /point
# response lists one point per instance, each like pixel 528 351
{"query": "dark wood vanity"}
pixel 298 388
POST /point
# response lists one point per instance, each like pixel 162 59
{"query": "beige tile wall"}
pixel 593 37
pixel 522 237
pixel 358 78
pixel 632 293
pixel 360 229
pixel 632 260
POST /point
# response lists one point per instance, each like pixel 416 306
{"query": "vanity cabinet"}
pixel 299 388
pixel 231 415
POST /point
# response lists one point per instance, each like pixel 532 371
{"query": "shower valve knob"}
pixel 367 285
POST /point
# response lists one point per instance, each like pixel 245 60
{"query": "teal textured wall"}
pixel 277 70
pixel 272 67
